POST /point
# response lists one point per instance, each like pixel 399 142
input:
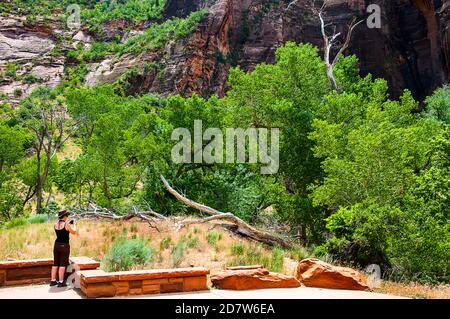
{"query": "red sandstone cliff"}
pixel 411 50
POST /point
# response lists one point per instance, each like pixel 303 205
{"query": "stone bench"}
pixel 97 283
pixel 33 271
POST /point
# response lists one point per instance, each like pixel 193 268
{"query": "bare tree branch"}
pixel 241 228
pixel 95 212
pixel 330 42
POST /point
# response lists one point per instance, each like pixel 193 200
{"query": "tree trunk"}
pixel 239 226
pixel 38 186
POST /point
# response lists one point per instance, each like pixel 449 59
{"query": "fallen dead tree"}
pixel 237 225
pixel 95 212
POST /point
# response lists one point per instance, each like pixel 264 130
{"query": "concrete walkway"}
pixel 46 292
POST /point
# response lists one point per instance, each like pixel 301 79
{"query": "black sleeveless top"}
pixel 62 235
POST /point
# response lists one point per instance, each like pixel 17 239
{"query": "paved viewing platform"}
pixel 46 292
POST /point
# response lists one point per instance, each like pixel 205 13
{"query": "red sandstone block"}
pixel 161 273
pixel 135 291
pixel 31 272
pixel 167 288
pixel 85 263
pixel 26 263
pixel 100 290
pixel 2 277
pixel 97 276
pixel 122 288
pixel 156 281
pixel 253 267
pixel 27 281
pixel 150 289
pixel 195 283
pixel 175 280
pixel 135 284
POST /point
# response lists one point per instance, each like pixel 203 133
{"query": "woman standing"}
pixel 61 250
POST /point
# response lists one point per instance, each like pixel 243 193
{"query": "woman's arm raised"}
pixel 71 229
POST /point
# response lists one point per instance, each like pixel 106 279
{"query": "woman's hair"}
pixel 62 214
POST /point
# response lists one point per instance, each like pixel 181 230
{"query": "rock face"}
pixel 29 48
pixel 410 50
pixel 244 278
pixel 315 273
pixel 17 42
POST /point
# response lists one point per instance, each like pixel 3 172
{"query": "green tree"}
pixel 286 95
pixel 386 180
pixel 43 113
pixel 438 104
pixel 12 145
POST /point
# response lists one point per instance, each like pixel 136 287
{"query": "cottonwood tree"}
pixel 45 115
pixel 12 144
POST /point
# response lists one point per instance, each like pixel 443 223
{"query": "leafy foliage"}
pixel 125 254
pixel 386 176
pixel 153 37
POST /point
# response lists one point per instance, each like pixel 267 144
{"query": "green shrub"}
pixel 165 243
pixel 11 204
pixel 159 34
pixel 214 237
pixel 298 253
pixel 18 92
pixel 178 253
pixel 237 249
pixel 37 219
pixel 51 209
pixel 191 241
pixel 277 260
pixel 131 10
pixel 134 228
pixel 16 222
pixel 10 70
pixel 125 254
pixel 255 255
pixel 411 245
pixel 30 79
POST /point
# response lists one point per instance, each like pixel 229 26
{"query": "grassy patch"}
pixel 237 249
pixel 298 253
pixel 38 219
pixel 178 253
pixel 125 254
pixel 214 237
pixel 179 250
pixel 165 243
pixel 255 254
pixel 15 222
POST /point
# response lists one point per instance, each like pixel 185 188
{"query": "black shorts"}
pixel 61 253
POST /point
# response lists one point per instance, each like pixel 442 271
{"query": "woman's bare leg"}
pixel 54 272
pixel 62 272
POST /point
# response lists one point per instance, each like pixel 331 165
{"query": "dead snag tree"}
pixel 331 43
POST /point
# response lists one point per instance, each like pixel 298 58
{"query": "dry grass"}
pixel 70 150
pixel 415 290
pixel 206 245
pixel 203 245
